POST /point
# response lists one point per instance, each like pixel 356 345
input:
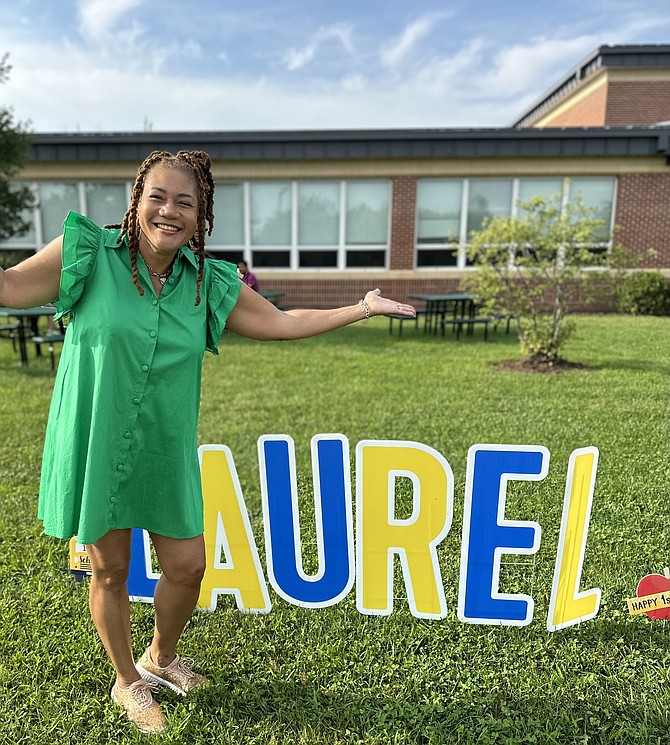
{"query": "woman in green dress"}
pixel 143 304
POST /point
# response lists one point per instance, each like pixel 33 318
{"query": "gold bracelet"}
pixel 365 307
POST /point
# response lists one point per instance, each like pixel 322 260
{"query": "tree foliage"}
pixel 533 266
pixel 14 144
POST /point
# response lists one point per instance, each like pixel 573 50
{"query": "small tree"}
pixel 14 144
pixel 532 266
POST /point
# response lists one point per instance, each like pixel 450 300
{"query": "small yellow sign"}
pixel 80 561
pixel 648 602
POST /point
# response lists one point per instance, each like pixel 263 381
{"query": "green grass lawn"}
pixel 334 675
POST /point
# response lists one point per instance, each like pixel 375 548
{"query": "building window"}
pixel 270 214
pixel 488 198
pixel 439 211
pixel 319 224
pixel 596 194
pixel 29 238
pixel 55 201
pixel 228 216
pixel 367 213
pixel 449 209
pixel 106 204
pixel 547 188
pixel 318 213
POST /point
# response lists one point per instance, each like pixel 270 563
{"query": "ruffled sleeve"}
pixel 82 239
pixel 223 290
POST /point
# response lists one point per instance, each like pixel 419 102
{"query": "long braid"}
pixel 198 164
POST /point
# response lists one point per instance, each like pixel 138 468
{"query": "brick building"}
pixel 325 215
pixel 613 86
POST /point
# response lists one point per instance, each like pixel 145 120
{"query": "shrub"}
pixel 531 266
pixel 644 294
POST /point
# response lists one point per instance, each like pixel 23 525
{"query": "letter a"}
pixel 228 531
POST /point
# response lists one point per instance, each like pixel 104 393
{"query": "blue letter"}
pixel 334 524
pixel 141 577
pixel 487 535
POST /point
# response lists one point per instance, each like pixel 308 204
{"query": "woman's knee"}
pixel 111 577
pixel 110 560
pixel 182 561
pixel 186 572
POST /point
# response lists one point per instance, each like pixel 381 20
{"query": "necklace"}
pixel 162 277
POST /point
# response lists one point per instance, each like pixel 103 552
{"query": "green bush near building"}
pixel 644 293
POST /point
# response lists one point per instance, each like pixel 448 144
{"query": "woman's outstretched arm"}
pixel 256 318
pixel 36 280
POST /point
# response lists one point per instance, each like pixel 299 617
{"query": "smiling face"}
pixel 167 213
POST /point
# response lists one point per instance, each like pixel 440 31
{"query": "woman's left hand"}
pixel 379 305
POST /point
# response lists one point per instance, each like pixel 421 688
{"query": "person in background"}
pixel 144 303
pixel 247 276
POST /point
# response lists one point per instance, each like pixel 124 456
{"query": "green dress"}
pixel 121 446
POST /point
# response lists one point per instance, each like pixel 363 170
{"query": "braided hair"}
pixel 198 164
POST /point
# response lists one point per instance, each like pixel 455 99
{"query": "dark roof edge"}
pixel 618 55
pixel 331 145
pixel 340 135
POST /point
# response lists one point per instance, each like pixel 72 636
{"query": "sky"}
pixel 208 65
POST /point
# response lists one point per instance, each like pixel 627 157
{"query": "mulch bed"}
pixel 541 366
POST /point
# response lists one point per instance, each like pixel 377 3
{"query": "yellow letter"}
pixel 568 606
pixel 380 534
pixel 227 529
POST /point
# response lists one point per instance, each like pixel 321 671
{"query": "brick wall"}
pixel 403 221
pixel 330 293
pixel 643 214
pixel 589 111
pixel 637 103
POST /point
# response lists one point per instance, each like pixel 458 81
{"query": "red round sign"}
pixel 651 585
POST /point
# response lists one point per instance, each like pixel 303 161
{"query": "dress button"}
pixel 119 467
pixel 154 302
pixel 127 435
pixel 136 400
pixel 152 334
pixel 145 368
pixel 113 500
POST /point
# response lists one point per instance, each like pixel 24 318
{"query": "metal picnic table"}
pixel 459 305
pixel 273 296
pixel 27 324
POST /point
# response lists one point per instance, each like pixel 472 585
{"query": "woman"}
pixel 247 276
pixel 120 450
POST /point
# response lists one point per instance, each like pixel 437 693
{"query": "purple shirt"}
pixel 250 280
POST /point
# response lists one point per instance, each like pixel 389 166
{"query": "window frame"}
pixel 460 247
pixel 340 249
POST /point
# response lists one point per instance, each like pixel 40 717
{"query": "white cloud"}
pixel 393 53
pixel 98 18
pixel 355 82
pixel 481 82
pixel 538 63
pixel 295 59
pixel 449 76
pixel 69 89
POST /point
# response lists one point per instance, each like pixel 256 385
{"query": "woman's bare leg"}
pixel 182 562
pixel 108 601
